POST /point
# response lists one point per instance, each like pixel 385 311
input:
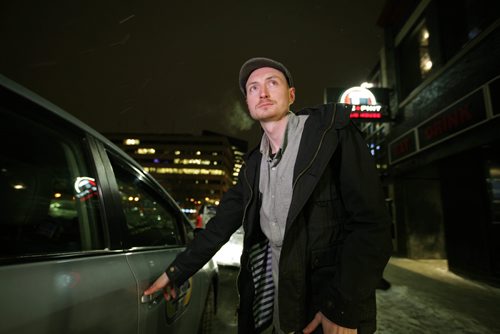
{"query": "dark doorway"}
pixel 467 214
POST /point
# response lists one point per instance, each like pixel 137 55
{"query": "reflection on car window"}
pixel 40 211
pixel 150 220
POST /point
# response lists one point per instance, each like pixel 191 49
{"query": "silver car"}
pixel 84 231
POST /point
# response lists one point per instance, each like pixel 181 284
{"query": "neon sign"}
pixel 85 188
pixel 358 95
pixel 452 120
pixel 448 123
pixel 364 104
pixel 402 147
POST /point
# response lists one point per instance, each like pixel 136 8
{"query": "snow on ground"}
pixel 426 298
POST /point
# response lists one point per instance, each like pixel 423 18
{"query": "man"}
pixel 316 230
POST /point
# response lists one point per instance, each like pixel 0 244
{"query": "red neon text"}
pixel 366 115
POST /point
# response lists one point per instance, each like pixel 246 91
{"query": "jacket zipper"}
pixel 242 221
pixel 251 193
pixel 317 150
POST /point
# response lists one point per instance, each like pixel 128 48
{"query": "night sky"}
pixel 172 67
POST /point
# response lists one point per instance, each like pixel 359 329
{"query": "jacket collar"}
pixel 318 123
pixel 318 144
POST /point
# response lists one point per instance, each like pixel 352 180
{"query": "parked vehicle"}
pixel 85 230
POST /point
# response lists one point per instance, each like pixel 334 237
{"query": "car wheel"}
pixel 208 313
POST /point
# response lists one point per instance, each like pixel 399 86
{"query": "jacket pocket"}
pixel 325 257
pixel 323 269
pixel 322 227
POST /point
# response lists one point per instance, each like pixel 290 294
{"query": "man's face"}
pixel 268 95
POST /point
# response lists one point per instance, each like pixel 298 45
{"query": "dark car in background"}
pixel 84 231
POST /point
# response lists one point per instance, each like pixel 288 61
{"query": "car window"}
pixel 188 231
pixel 49 196
pixel 150 220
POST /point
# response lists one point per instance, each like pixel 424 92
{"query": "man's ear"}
pixel 291 95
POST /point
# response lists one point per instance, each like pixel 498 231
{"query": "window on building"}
pixel 415 58
pixel 495 95
pixel 493 182
pixel 423 48
pixel 463 21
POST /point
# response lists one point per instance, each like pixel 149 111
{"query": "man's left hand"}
pixel 329 327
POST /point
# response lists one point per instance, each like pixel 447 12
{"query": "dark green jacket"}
pixel 337 237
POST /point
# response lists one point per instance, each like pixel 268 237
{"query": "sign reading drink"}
pixel 456 118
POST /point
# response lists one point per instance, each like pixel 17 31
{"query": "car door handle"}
pixel 145 299
pixel 151 299
pixel 156 297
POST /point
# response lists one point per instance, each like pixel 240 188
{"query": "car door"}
pixel 57 272
pixel 153 234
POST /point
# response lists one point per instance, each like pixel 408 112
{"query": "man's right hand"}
pixel 329 327
pixel 162 283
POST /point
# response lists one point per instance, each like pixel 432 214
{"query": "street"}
pixel 424 298
pixel 226 320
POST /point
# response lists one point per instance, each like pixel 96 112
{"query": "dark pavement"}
pixel 424 298
pixel 226 320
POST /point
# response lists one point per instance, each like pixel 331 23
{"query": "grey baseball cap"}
pixel 253 64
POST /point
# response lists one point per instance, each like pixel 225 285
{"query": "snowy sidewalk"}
pixel 426 298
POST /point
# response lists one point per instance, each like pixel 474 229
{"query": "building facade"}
pixel 196 170
pixel 441 61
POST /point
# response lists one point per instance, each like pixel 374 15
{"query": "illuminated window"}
pixel 189 171
pixel 425 57
pixel 145 151
pixel 179 161
pixel 415 56
pixel 131 141
pixel 177 152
